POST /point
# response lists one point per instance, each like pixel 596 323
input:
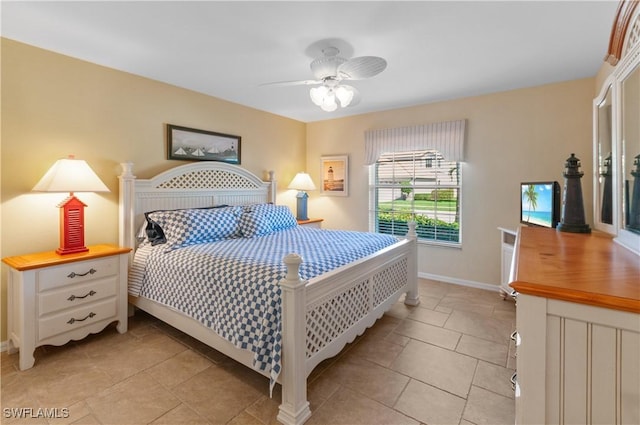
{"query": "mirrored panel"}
pixel 604 149
pixel 630 157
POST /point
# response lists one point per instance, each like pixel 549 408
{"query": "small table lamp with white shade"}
pixel 71 175
pixel 302 183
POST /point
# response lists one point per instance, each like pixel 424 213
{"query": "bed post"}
pixel 272 186
pixel 126 231
pixel 294 409
pixel 412 297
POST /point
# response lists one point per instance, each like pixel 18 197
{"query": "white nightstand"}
pixel 53 299
pixel 312 222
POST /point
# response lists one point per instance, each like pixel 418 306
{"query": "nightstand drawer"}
pixel 76 295
pixel 72 319
pixel 80 271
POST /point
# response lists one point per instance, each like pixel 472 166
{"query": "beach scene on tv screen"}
pixel 537 204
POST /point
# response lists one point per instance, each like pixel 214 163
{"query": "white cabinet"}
pixel 578 323
pixel 507 243
pixel 577 364
pixel 53 299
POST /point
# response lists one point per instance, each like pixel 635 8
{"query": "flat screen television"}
pixel 540 203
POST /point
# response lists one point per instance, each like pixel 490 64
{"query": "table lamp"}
pixel 71 175
pixel 302 183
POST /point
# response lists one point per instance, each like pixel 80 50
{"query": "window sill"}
pixel 426 242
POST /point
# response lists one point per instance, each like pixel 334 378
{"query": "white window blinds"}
pixel 445 137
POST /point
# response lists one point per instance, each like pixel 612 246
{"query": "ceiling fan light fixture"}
pixel 317 94
pixel 328 98
pixel 344 95
pixel 324 97
pixel 329 102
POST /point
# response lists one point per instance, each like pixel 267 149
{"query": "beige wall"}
pixel 514 136
pixel 53 105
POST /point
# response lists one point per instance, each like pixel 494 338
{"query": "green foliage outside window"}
pixel 395 223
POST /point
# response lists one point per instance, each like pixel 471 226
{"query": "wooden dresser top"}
pixel 582 268
pixel 51 258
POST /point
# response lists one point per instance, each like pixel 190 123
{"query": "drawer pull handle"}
pixel 515 337
pixel 74 297
pixel 74 274
pixel 89 316
pixel 514 381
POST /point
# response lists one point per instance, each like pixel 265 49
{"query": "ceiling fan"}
pixel 331 70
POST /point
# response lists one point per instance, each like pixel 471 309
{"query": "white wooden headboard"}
pixel 193 185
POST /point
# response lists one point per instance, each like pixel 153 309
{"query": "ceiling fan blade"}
pixel 361 67
pixel 293 83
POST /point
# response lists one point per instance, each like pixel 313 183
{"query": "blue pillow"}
pixel 280 216
pixel 192 226
pixel 254 223
pixel 154 232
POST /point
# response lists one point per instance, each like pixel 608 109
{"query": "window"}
pixel 416 185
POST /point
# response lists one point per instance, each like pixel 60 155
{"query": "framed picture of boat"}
pixel 190 144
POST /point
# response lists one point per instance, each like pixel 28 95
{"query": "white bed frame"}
pixel 319 316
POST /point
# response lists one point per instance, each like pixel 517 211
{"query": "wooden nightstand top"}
pixel 51 258
pixel 311 220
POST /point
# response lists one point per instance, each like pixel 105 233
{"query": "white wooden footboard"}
pixel 338 306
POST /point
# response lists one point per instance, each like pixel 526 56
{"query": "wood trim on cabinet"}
pixel 619 30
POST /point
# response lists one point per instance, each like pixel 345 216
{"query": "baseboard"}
pixel 4 346
pixel 461 282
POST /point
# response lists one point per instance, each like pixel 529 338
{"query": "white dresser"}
pixel 578 322
pixel 53 299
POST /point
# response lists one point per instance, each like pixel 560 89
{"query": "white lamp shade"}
pixel 70 175
pixel 303 182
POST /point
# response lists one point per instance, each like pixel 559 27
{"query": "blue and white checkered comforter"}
pixel 231 286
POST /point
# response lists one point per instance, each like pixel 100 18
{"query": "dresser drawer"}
pixel 76 295
pixel 81 271
pixel 69 320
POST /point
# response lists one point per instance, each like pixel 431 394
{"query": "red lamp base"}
pixel 71 226
pixel 63 251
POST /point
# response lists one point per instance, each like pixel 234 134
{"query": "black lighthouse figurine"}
pixel 572 204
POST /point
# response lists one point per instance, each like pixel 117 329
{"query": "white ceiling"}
pixel 435 50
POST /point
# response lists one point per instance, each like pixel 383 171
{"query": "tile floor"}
pixel 447 361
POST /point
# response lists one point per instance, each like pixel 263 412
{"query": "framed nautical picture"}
pixel 335 175
pixel 189 144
